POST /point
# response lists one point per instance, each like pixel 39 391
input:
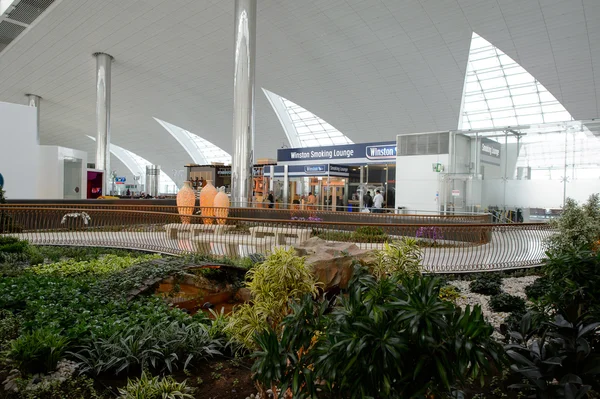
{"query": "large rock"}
pixel 332 262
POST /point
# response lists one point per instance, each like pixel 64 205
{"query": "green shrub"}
pixel 507 303
pixel 72 388
pixel 155 388
pixel 9 328
pixel 561 362
pixel 402 258
pixel 38 351
pixel 370 234
pixel 105 265
pixel 538 289
pixel 487 284
pixel 449 293
pixel 578 227
pixel 160 346
pixel 574 283
pixel 390 338
pixel 282 277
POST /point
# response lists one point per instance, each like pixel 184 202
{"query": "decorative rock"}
pixel 332 263
pixel 243 295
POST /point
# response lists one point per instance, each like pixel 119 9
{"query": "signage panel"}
pixel 120 180
pixel 315 169
pixel 491 151
pixel 347 152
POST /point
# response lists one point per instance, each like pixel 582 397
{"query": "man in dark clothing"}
pixel 368 200
pixel 271 199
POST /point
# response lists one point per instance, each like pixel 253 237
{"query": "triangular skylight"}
pixel 499 92
pixel 302 127
pixel 202 151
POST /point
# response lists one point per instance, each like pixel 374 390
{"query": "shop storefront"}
pixel 339 176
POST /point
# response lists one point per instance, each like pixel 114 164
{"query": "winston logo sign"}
pixel 381 151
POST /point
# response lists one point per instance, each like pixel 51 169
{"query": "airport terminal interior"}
pixel 173 153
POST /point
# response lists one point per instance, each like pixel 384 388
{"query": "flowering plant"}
pixel 433 232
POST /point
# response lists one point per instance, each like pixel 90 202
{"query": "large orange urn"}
pixel 221 205
pixel 207 200
pixel 186 199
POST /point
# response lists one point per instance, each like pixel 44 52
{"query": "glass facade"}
pixel 202 151
pixel 499 92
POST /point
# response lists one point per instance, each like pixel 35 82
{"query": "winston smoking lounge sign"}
pixel 349 152
pixel 490 151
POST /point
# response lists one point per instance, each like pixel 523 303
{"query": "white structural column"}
pixel 286 186
pixel 103 69
pixel 243 102
pixel 34 101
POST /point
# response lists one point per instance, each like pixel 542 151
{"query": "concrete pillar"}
pixel 243 102
pixel 103 73
pixel 286 186
pixel 34 101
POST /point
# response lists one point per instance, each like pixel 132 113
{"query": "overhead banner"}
pixel 351 153
pixel 490 151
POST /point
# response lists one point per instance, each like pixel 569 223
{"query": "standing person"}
pixel 128 193
pixel 271 199
pixel 312 201
pixel 368 200
pixel 378 202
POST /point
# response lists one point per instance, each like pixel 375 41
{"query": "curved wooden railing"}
pixel 450 244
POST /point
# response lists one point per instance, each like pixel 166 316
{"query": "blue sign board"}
pixel 120 180
pixel 315 169
pixel 350 153
pixel 1 180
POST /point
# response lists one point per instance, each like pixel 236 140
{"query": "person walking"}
pixel 368 200
pixel 271 199
pixel 312 201
pixel 378 202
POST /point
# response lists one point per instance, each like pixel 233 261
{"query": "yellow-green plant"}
pixel 401 257
pixel 105 265
pixel 283 276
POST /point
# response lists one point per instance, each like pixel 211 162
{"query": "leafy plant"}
pixel 578 227
pixel 390 338
pixel 487 284
pixel 574 283
pixel 155 388
pixel 504 302
pixel 107 264
pixel 282 277
pixel 538 288
pixel 72 388
pixel 9 328
pixel 38 351
pixel 449 293
pixel 401 258
pixel 162 346
pixel 562 363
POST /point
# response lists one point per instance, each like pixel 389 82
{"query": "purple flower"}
pixel 433 232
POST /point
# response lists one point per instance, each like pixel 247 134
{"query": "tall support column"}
pixel 361 194
pixel 34 101
pixel 243 102
pixel 103 64
pixel 286 186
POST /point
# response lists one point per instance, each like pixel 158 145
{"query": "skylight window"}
pixel 302 127
pixel 500 93
pixel 202 151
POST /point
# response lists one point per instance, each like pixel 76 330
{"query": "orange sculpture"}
pixel 221 205
pixel 186 199
pixel 207 198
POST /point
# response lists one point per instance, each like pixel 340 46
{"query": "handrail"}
pixel 447 247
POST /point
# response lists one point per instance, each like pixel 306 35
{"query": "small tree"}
pixel 577 228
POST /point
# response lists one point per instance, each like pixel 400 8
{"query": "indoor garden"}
pixel 111 323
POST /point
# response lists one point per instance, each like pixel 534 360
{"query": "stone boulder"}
pixel 332 262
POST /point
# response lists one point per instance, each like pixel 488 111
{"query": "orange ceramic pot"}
pixel 186 199
pixel 207 198
pixel 221 206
